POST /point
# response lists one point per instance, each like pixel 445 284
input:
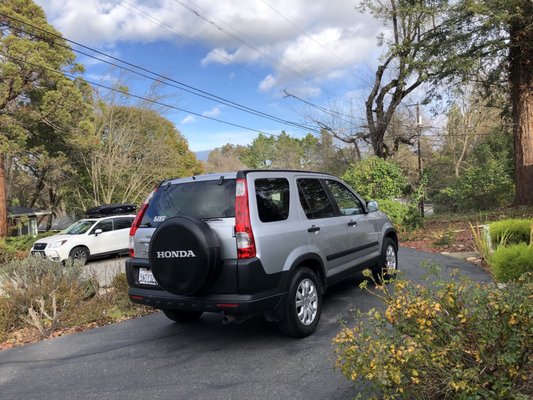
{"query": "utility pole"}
pixel 420 171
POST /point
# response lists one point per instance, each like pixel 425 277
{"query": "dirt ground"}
pixel 440 236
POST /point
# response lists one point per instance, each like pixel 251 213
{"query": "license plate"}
pixel 38 253
pixel 146 277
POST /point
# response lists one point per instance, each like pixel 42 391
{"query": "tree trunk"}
pixel 521 77
pixel 3 198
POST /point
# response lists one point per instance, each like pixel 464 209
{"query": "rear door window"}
pixel 202 199
pixel 272 196
pixel 122 223
pixel 314 199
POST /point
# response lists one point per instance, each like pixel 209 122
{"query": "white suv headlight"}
pixel 55 245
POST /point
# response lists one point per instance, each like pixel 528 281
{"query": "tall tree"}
pixel 225 158
pixel 499 33
pixel 437 41
pixel 131 150
pixel 40 108
pixel 409 60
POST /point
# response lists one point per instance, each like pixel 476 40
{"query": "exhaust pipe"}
pixel 235 319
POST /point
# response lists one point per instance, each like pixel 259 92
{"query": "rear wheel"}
pixel 183 316
pixel 79 253
pixel 303 306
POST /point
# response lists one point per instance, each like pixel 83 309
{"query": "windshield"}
pixel 203 200
pixel 79 228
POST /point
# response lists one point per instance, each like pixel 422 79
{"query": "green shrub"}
pixel 18 246
pixel 7 317
pixel 479 187
pixel 404 216
pixel 375 178
pixel 120 284
pixel 31 280
pixel 394 209
pixel 515 231
pixel 453 340
pixel 510 262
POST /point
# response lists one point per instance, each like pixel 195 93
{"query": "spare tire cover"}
pixel 183 255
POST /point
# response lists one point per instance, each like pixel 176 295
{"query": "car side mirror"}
pixel 97 232
pixel 371 206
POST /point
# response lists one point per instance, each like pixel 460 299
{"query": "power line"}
pixel 164 79
pixel 124 92
pixel 143 14
pixel 273 59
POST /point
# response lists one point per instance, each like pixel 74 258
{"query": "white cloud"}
pixel 215 112
pixel 267 84
pixel 189 119
pixel 200 141
pixel 331 35
pixel 102 78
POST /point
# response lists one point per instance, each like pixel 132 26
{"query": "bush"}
pixel 35 287
pixel 375 178
pixel 406 216
pixel 18 247
pixel 120 284
pixel 513 230
pixel 480 187
pixel 394 209
pixel 510 262
pixel 453 340
pixel 7 317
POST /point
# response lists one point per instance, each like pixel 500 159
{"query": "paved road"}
pixel 152 358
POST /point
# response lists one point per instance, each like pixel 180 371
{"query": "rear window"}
pixel 203 200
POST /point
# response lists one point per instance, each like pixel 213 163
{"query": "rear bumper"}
pixel 239 287
pixel 229 303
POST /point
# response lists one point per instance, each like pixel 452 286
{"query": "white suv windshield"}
pixel 79 228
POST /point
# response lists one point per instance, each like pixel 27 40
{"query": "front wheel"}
pixel 387 265
pixel 79 253
pixel 182 316
pixel 303 306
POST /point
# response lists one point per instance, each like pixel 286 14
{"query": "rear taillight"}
pixel 243 227
pixel 137 222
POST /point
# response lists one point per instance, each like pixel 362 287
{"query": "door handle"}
pixel 352 223
pixel 313 229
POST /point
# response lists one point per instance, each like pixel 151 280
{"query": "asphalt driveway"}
pixel 153 358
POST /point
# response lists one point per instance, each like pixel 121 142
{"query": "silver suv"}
pixel 254 242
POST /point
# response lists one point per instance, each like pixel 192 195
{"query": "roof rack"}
pixel 106 210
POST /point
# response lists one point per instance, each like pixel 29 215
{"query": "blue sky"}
pixel 248 52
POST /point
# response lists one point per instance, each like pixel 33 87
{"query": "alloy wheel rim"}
pixel 390 258
pixel 306 301
pixel 79 255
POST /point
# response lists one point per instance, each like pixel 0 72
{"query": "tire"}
pixel 182 316
pixel 184 254
pixel 303 306
pixel 80 253
pixel 387 265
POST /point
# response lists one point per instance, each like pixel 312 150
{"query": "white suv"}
pixel 87 238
